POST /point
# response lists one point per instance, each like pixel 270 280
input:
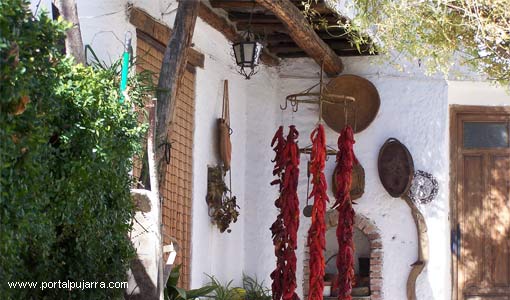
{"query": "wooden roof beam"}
pixel 304 35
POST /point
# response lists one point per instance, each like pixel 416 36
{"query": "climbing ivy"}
pixel 66 148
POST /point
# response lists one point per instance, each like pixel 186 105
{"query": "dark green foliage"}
pixel 226 291
pixel 255 290
pixel 172 292
pixel 65 208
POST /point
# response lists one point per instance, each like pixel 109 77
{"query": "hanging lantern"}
pixel 247 55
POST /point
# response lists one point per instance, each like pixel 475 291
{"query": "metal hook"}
pixel 295 105
pixel 284 107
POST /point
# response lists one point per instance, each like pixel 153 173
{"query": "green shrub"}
pixel 225 291
pixel 65 157
pixel 255 290
pixel 172 292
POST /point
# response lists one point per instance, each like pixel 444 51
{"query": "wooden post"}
pixel 172 68
pixel 73 43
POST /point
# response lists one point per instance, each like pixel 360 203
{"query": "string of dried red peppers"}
pixel 345 259
pixel 317 231
pixel 284 229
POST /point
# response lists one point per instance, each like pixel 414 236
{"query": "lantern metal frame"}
pixel 247 64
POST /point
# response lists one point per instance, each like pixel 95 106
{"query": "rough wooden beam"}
pixel 230 32
pixel 159 33
pixel 217 22
pixel 232 4
pixel 172 68
pixel 263 28
pixel 255 18
pixel 304 35
pixel 194 58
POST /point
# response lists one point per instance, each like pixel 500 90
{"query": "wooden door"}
pixel 481 207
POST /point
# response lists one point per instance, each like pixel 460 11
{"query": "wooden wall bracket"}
pixel 423 248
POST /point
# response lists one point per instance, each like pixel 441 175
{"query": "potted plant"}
pixel 255 290
pixel 172 292
pixel 225 292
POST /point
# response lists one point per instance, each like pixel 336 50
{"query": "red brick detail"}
pixel 376 253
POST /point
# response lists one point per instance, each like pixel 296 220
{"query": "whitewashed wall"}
pixel 414 109
pixel 477 93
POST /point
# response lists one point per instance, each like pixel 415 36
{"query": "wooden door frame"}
pixel 456 111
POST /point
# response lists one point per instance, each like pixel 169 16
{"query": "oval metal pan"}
pixel 396 167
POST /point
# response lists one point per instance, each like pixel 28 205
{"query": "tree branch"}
pixel 73 43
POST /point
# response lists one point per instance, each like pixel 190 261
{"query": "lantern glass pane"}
pixel 237 53
pixel 249 49
pixel 258 52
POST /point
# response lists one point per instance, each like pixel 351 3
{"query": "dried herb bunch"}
pixel 223 208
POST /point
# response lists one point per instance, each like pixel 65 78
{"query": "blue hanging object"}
pixel 125 65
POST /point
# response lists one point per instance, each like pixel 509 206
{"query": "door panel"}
pixel 499 221
pixel 481 203
pixel 470 220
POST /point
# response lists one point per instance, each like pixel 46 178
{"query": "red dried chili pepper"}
pixel 277 228
pixel 317 231
pixel 345 258
pixel 284 229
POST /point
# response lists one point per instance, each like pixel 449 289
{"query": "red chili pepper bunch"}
pixel 317 231
pixel 284 229
pixel 345 259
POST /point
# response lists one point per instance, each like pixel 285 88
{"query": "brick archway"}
pixel 376 253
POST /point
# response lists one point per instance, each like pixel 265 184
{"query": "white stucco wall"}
pixel 477 93
pixel 414 109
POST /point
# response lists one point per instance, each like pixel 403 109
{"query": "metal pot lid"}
pixel 360 113
pixel 424 187
pixel 396 167
pixel 357 183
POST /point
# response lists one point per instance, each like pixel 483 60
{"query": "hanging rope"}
pixel 345 229
pixel 317 231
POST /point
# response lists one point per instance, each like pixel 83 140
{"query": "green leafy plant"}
pixel 172 292
pixel 437 33
pixel 255 290
pixel 226 291
pixel 66 148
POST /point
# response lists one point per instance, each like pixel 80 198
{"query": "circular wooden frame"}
pixel 360 113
